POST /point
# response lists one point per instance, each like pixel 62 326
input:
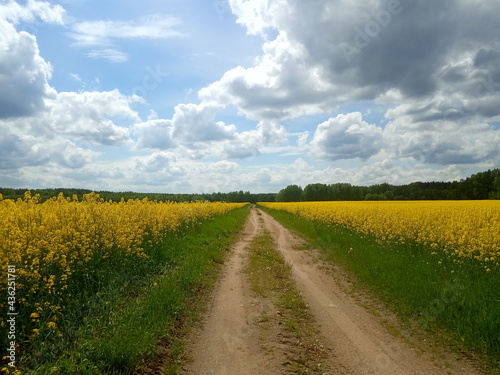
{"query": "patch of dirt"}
pixel 234 338
pixel 228 341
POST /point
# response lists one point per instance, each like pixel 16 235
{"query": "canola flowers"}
pixel 49 242
pixel 465 229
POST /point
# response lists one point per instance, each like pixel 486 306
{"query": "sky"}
pixel 201 96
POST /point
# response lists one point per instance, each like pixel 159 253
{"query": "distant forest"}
pixel 483 185
pixel 235 196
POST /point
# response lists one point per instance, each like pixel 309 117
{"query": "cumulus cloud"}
pixel 438 72
pixel 196 123
pixel 24 74
pixel 18 151
pixel 69 155
pixel 157 162
pixel 443 142
pixel 244 146
pixel 432 67
pixel 280 86
pixel 155 134
pixel 15 12
pixel 346 137
pixel 87 116
pixel 53 135
pixel 327 53
pixel 224 166
pixel 39 126
pixel 161 167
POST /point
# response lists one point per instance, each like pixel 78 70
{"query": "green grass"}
pixel 460 298
pixel 270 278
pixel 126 311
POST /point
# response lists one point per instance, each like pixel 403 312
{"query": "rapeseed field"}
pixel 465 229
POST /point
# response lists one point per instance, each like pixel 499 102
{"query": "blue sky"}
pixel 201 96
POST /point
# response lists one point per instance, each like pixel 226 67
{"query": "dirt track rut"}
pixel 357 343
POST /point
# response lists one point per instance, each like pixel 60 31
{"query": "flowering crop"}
pixel 466 229
pixel 50 242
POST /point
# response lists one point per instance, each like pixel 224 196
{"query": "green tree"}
pixel 292 193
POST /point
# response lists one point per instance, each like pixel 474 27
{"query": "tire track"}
pixel 229 342
pixel 359 341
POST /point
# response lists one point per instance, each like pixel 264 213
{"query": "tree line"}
pixel 483 185
pixel 234 196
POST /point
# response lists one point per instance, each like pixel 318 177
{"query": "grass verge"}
pixel 270 278
pixel 431 290
pixel 124 324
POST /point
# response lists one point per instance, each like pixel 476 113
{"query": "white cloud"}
pixel 55 135
pixel 304 69
pixel 19 151
pixel 69 155
pixel 102 33
pixel 157 169
pixel 279 86
pixel 157 162
pixel 302 139
pixel 224 166
pixel 243 146
pixel 24 74
pixel 346 137
pixel 258 15
pixel 101 36
pixel 87 116
pixel 112 55
pixel 155 134
pixel 443 142
pixel 15 12
pixel 196 123
pixel 440 91
pixel 76 77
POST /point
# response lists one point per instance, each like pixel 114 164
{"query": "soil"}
pixel 353 330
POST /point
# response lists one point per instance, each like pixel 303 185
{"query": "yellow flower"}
pixel 52 240
pixel 463 229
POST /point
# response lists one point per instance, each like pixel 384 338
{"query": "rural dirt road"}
pixel 354 341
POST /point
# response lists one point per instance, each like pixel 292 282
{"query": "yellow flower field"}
pixel 48 242
pixel 469 229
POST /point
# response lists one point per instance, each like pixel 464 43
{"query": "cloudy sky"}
pixel 202 96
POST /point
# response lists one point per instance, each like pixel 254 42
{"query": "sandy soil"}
pixel 228 343
pixel 355 339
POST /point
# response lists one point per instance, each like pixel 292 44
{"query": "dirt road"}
pixel 356 341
